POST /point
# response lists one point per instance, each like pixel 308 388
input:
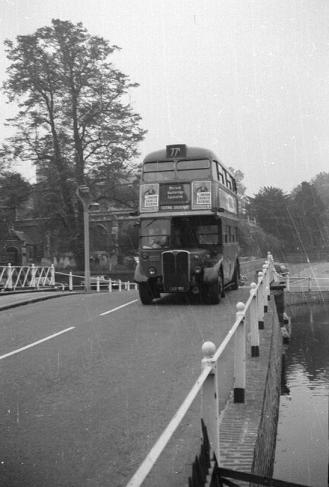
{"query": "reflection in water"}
pixel 302 439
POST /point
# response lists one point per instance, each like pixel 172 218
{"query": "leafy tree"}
pixel 308 213
pixel 14 191
pixel 270 206
pixel 74 121
pixel 254 241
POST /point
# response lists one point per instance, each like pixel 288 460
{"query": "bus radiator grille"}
pixel 175 267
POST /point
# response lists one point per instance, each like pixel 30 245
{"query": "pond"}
pixel 302 438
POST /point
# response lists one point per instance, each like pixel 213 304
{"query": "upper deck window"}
pixel 193 169
pixel 195 164
pixel 158 166
pixel 185 169
pixel 155 171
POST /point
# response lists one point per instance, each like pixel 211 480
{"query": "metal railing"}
pixel 13 278
pixel 306 283
pixel 210 382
pixel 99 283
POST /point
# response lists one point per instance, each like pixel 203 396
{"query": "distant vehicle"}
pixel 188 238
pixel 281 269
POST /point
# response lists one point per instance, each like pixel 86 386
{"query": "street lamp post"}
pixel 84 196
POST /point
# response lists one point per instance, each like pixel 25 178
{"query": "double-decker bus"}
pixel 188 212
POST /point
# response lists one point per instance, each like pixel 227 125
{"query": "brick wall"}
pixel 248 431
pixel 266 440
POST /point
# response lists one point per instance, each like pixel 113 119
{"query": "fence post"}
pixel 288 282
pixel 120 285
pixel 110 285
pixel 253 322
pixel 33 272
pixel 9 282
pixel 260 305
pixel 52 275
pixel 266 287
pixel 97 284
pixel 209 397
pixel 240 356
pixel 70 281
pixel 127 286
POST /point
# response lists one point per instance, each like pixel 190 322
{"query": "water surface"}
pixel 302 439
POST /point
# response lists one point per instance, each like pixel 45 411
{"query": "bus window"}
pixel 226 234
pixel 155 233
pixel 228 182
pixel 214 166
pixel 220 174
pixel 208 234
pixel 155 171
pixel 196 169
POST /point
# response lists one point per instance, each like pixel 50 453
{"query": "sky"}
pixel 248 79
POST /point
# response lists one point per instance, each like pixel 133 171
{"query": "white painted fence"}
pixel 98 282
pixel 13 278
pixel 249 315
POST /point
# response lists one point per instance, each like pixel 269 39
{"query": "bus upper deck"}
pixel 186 179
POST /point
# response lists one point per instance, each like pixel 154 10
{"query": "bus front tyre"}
pixel 236 277
pixel 145 293
pixel 214 293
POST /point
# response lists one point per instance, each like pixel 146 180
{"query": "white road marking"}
pixel 14 352
pixel 119 307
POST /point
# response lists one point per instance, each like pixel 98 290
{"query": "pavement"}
pixel 14 299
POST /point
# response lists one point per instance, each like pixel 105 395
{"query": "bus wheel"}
pixel 145 293
pixel 214 292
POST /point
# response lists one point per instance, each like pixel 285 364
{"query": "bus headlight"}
pixel 152 271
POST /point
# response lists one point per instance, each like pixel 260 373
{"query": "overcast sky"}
pixel 248 79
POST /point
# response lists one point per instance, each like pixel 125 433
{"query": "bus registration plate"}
pixel 175 289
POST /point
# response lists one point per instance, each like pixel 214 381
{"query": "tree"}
pixel 270 206
pixel 14 191
pixel 308 213
pixel 74 121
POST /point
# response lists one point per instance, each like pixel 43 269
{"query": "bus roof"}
pixel 191 153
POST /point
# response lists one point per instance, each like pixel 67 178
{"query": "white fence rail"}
pixel 14 278
pixel 210 382
pixel 99 283
pixel 18 277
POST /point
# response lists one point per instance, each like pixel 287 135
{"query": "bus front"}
pixel 181 232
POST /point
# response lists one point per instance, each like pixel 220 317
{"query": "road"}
pixel 88 383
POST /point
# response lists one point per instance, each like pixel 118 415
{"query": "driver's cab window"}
pixel 155 234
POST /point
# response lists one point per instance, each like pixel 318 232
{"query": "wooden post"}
pixel 9 282
pixel 253 322
pixel 240 356
pixel 209 398
pixel 52 275
pixel 266 287
pixel 260 302
pixel 33 272
pixel 70 281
